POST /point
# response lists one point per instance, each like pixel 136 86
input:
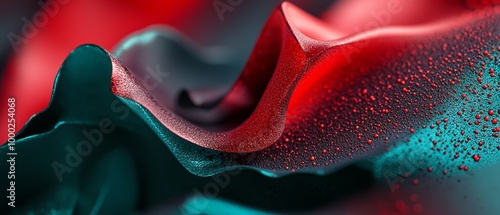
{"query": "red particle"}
pixel 490 112
pixel 406 175
pixel 396 186
pixel 445 172
pixel 375 135
pixel 369 142
pixel 430 168
pixel 460 167
pixel 498 147
pixel 412 130
pixel 478 116
pixel 466 168
pixel 415 181
pixel 365 91
pixel 494 121
pixel 496 129
pixel 323 151
pixel 476 158
pixel 312 158
pixel 459 113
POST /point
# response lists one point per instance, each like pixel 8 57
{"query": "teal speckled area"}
pixel 464 138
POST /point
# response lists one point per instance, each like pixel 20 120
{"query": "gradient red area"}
pixel 30 73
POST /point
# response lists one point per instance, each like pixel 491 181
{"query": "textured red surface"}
pixel 302 72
